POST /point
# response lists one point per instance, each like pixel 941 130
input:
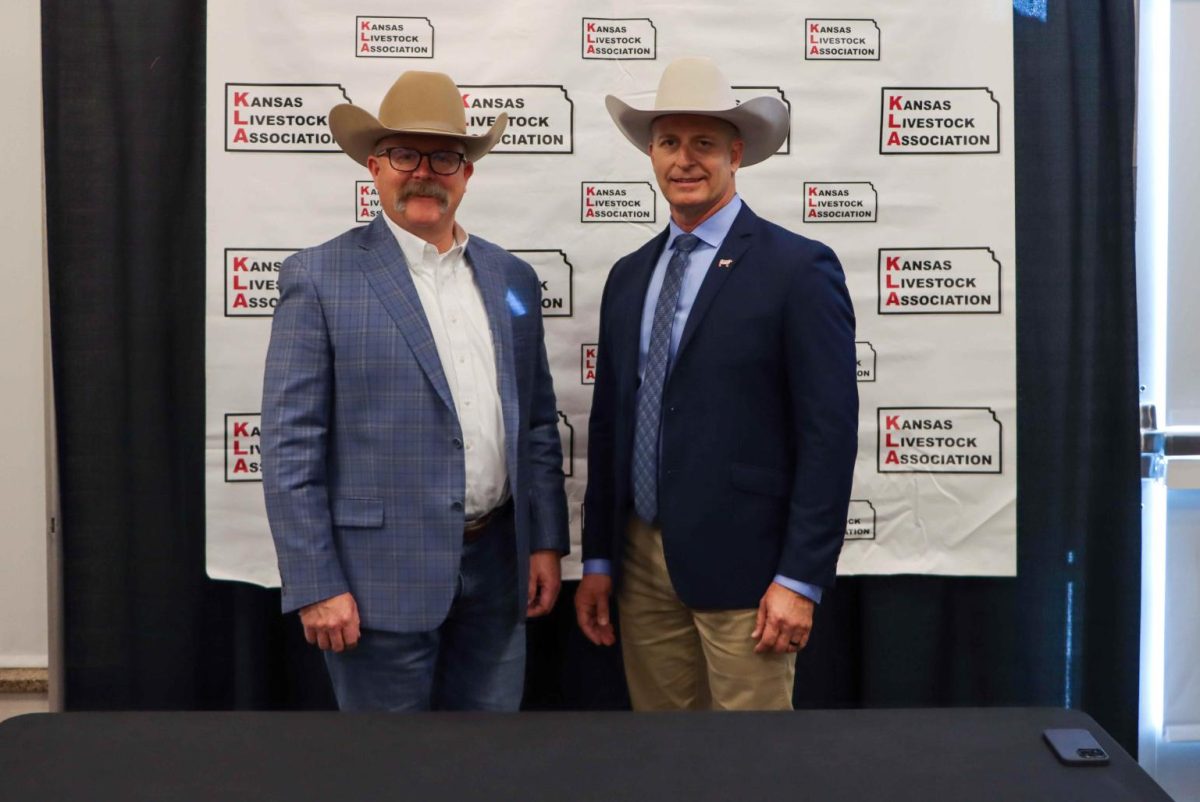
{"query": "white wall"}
pixel 23 597
pixel 1168 236
pixel 1178 758
pixel 1183 243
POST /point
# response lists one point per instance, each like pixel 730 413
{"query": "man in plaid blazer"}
pixel 412 465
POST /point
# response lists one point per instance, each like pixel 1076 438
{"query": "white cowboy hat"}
pixel 697 86
pixel 418 103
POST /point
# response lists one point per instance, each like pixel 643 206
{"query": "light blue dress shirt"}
pixel 712 233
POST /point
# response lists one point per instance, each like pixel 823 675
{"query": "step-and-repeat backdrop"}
pixel 900 157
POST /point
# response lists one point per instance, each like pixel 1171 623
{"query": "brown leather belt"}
pixel 474 528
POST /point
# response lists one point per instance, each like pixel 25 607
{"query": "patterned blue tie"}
pixel 649 399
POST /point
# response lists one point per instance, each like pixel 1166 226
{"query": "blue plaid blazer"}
pixel 364 484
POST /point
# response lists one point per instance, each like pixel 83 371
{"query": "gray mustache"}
pixel 429 189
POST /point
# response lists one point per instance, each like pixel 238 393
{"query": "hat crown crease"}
pixel 414 103
pixel 418 102
pixel 694 97
pixel 694 83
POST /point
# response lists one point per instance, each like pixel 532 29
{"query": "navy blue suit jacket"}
pixel 759 423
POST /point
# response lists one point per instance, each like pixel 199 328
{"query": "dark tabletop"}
pixel 931 754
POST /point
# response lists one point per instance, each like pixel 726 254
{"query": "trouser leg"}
pixel 664 661
pixel 481 661
pixel 386 671
pixel 738 678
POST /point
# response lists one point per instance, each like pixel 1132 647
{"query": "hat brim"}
pixel 762 122
pixel 356 131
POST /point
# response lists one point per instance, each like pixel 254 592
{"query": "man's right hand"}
pixel 331 623
pixel 591 609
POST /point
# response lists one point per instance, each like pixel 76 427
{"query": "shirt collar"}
pixel 419 253
pixel 712 232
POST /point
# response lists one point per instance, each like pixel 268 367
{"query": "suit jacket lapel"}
pixel 493 286
pixel 387 272
pixel 736 242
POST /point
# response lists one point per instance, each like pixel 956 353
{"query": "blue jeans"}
pixel 474 661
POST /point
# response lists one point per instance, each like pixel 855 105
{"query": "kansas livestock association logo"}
pixel 865 358
pixel 587 362
pixel 938 281
pixel 252 280
pixel 281 118
pixel 617 202
pixel 840 202
pixel 939 440
pixel 860 520
pixel 566 434
pixel 557 277
pixel 393 37
pixel 541 117
pixel 619 39
pixel 841 40
pixel 938 120
pixel 243 447
pixel 366 201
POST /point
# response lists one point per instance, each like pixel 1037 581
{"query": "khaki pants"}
pixel 677 658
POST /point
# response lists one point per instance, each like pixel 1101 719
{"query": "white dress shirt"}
pixel 458 320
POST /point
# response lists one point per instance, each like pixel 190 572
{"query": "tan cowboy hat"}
pixel 418 103
pixel 697 86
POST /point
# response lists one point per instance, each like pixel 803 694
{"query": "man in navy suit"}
pixel 723 433
pixel 412 466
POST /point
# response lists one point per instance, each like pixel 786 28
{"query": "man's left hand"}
pixel 784 620
pixel 545 580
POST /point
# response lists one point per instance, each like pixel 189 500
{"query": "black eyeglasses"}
pixel 406 160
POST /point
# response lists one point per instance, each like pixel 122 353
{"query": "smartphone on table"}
pixel 1076 747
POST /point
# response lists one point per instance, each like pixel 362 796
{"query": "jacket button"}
pixel 456 506
pixel 456 442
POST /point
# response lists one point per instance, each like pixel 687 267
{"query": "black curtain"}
pixel 145 628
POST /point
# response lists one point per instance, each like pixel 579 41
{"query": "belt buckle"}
pixel 474 529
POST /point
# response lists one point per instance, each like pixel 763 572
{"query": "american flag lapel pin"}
pixel 724 263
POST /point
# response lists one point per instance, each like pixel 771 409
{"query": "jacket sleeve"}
pixel 547 496
pixel 600 497
pixel 296 408
pixel 820 358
